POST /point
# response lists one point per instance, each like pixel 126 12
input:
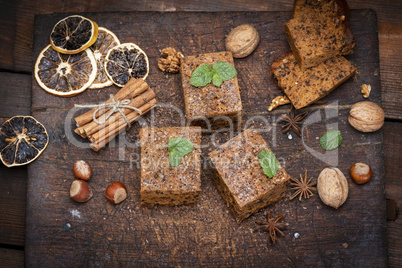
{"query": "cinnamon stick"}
pixel 92 127
pixel 133 88
pixel 105 132
pixel 117 127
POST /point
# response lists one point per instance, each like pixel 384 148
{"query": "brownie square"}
pixel 209 101
pixel 240 179
pixel 162 183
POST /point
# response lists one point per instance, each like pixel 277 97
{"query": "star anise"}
pixel 304 189
pixel 272 225
pixel 291 122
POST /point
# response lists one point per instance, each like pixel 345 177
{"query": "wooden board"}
pixel 65 233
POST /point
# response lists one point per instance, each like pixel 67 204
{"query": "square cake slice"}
pixel 319 30
pixel 209 101
pixel 162 183
pixel 304 87
pixel 240 179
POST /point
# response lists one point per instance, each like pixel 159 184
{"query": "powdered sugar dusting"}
pixel 75 213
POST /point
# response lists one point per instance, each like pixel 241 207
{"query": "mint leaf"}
pixel 331 140
pixel 217 80
pixel 201 76
pixel 174 159
pixel 225 70
pixel 178 147
pixel 269 163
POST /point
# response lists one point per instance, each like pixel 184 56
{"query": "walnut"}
pixel 242 40
pixel 278 101
pixel 332 187
pixel 366 116
pixel 170 60
pixel 366 89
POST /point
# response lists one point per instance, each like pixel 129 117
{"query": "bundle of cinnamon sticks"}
pixel 140 96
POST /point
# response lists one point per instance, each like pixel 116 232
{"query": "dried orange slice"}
pixel 125 61
pixel 22 140
pixel 65 75
pixel 73 34
pixel 106 40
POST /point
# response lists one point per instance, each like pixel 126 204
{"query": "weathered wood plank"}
pixel 13 182
pixel 15 94
pixel 393 188
pixel 11 258
pixel 390 37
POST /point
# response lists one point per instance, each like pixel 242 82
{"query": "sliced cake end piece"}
pixel 319 30
pixel 304 87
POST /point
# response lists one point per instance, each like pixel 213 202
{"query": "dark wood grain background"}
pixel 205 233
pixel 16 61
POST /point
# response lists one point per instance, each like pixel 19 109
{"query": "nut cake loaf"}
pixel 304 87
pixel 160 182
pixel 240 179
pixel 210 101
pixel 319 30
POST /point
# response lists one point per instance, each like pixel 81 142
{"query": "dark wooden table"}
pixel 16 65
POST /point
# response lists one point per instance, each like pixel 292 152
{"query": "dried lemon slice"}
pixel 73 34
pixel 125 61
pixel 22 140
pixel 65 75
pixel 106 40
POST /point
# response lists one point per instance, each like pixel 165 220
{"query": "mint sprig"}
pixel 178 147
pixel 204 74
pixel 269 163
pixel 331 140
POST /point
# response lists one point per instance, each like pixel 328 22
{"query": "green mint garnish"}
pixel 174 159
pixel 201 76
pixel 204 74
pixel 178 147
pixel 269 163
pixel 224 70
pixel 331 140
pixel 217 80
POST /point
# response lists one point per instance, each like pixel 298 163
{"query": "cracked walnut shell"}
pixel 332 187
pixel 170 60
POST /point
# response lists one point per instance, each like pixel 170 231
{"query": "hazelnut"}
pixel 332 187
pixel 242 40
pixel 116 192
pixel 80 191
pixel 82 170
pixel 366 116
pixel 361 173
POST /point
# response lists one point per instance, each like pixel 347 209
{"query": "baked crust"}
pixel 319 30
pixel 304 87
pixel 239 177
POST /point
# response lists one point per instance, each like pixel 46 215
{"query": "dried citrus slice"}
pixel 125 61
pixel 65 75
pixel 73 34
pixel 22 140
pixel 106 40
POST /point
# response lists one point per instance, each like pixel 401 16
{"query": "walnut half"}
pixel 365 90
pixel 278 101
pixel 170 60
